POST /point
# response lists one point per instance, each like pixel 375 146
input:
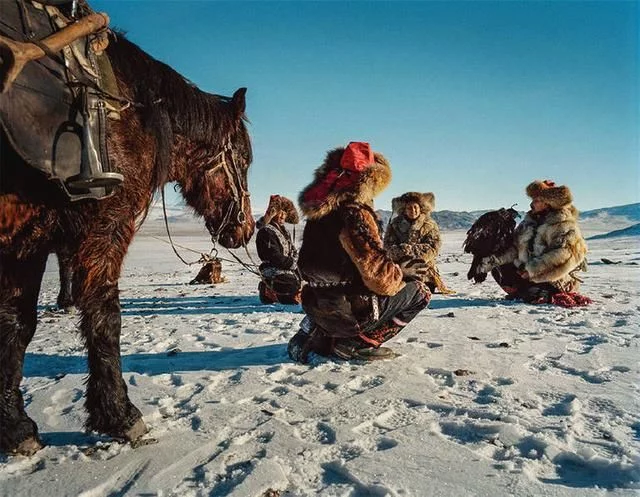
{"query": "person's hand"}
pixel 524 274
pixel 413 269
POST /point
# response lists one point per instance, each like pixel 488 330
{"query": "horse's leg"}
pixel 65 297
pixel 19 287
pixel 95 289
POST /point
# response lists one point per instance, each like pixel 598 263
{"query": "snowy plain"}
pixel 488 397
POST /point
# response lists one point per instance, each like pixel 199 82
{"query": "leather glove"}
pixel 413 269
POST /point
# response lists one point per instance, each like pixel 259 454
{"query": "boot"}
pixel 300 345
pixel 350 349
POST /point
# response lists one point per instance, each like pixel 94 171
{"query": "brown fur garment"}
pixel 361 241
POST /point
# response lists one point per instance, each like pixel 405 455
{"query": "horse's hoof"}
pixel 28 447
pixel 136 431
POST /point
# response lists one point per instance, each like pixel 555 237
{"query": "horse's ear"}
pixel 238 101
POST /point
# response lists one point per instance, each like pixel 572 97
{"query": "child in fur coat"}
pixel 413 234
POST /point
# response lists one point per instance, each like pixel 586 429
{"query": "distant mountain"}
pixel 605 219
pixel 452 220
pixel 447 220
pixel 455 220
pixel 630 211
pixel 630 231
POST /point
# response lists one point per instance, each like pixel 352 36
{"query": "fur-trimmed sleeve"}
pixel 361 240
pixel 566 250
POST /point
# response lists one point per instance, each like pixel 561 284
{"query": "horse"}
pixel 174 132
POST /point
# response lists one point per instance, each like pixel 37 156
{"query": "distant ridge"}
pixel 605 218
pixel 629 231
pixel 452 220
pixel 630 211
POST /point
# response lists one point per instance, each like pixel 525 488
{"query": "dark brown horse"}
pixel 177 133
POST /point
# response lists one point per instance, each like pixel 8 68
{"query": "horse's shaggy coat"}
pixel 175 132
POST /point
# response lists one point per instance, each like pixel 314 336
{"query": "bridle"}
pixel 225 159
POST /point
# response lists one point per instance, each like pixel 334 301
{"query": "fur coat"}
pixel 416 239
pixel 550 247
pixel 342 256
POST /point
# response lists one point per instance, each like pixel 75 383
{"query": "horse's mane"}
pixel 170 104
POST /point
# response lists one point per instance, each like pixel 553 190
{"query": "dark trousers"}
pixel 395 313
pixel 518 288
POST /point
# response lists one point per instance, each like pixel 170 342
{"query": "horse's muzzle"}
pixel 236 235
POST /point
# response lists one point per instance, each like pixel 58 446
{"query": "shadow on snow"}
pixel 151 364
pixel 214 304
pixel 459 302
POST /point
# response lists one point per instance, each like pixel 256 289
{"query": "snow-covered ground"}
pixel 488 397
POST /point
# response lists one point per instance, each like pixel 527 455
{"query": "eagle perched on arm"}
pixel 492 233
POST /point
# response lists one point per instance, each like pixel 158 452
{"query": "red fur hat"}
pixel 358 156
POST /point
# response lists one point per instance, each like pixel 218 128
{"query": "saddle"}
pixel 54 114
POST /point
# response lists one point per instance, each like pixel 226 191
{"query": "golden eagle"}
pixel 492 233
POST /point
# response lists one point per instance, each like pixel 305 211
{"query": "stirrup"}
pixel 96 180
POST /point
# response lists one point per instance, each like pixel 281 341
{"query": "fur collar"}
pixel 368 185
pixel 554 216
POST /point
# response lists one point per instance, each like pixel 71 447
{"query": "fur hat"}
pixel 334 183
pixel 278 202
pixel 554 196
pixel 426 201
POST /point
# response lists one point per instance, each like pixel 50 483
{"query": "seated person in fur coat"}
pixel 356 297
pixel 548 248
pixel 413 234
pixel 278 271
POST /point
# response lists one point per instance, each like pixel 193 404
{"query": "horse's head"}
pixel 216 183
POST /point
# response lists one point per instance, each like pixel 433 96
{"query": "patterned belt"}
pixel 329 284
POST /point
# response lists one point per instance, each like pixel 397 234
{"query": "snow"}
pixel 488 397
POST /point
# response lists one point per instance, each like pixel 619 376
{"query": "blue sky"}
pixel 470 100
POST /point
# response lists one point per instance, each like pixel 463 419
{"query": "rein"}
pixel 203 257
pixel 237 189
pixel 239 196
